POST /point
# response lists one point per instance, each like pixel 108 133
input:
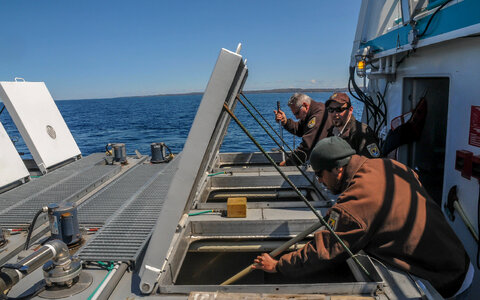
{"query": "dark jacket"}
pixel 312 129
pixel 360 137
pixel 385 211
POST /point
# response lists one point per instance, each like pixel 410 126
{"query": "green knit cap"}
pixel 331 152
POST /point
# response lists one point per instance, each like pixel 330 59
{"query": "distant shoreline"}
pixel 287 90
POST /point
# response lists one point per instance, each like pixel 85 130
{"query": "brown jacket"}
pixel 360 137
pixel 385 211
pixel 312 129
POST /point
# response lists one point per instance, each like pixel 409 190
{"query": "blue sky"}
pixel 100 49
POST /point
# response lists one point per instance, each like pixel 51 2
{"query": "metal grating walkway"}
pixel 67 184
pixel 126 233
pixel 96 210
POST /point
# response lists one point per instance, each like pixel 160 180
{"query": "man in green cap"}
pixel 383 210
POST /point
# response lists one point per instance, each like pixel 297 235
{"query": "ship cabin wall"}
pixel 450 73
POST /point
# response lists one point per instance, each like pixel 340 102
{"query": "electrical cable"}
pixel 376 113
pixel 30 229
pixel 305 200
pixel 373 111
pixel 201 212
pixel 432 16
pixel 361 95
pixel 381 101
pixel 2 109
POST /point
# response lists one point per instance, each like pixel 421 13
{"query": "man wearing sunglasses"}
pixel 359 135
pixel 384 210
pixel 312 125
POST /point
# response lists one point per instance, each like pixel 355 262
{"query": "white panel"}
pixel 39 122
pixel 12 168
pixel 380 18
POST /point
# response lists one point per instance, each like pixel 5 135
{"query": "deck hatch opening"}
pixel 210 262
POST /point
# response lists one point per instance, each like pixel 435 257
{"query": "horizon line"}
pixel 280 90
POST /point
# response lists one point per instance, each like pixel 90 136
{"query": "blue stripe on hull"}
pixel 460 15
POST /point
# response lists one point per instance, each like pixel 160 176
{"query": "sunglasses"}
pixel 337 109
pixel 297 112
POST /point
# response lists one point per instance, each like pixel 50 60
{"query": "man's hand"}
pixel 280 117
pixel 282 163
pixel 265 262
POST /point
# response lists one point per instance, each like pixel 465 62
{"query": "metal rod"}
pixel 305 200
pixel 241 246
pixel 113 282
pixel 258 121
pixel 281 133
pixel 275 252
pixel 265 120
pixel 278 144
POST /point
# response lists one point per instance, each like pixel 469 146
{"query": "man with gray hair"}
pixel 312 125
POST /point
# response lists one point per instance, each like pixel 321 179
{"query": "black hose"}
pixel 362 97
pixel 30 229
pixel 432 16
pixel 372 110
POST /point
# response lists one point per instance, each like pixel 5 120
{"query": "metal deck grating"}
pixel 45 182
pixel 70 189
pixel 96 210
pixel 127 232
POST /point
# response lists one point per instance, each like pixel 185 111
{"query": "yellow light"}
pixel 361 65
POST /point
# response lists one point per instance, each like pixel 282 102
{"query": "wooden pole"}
pixel 275 252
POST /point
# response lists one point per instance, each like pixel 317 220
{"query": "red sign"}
pixel 474 137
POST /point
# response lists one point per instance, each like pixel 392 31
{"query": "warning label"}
pixel 474 136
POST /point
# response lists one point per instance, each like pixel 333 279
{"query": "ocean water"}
pixel 140 121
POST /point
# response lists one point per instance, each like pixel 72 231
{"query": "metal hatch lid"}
pixel 202 145
pixel 39 122
pixel 12 168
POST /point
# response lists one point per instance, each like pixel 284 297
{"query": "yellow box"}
pixel 237 207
